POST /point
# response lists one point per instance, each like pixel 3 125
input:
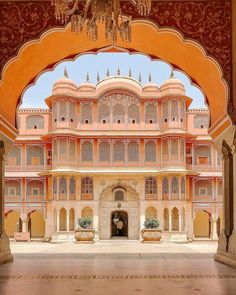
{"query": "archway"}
pixel 12 223
pixel 119 223
pixel 62 220
pixel 201 225
pixel 36 224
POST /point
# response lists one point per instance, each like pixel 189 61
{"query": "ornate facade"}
pixel 114 147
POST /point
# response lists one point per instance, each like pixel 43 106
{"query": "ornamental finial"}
pixel 118 71
pixel 172 74
pixel 150 77
pixel 130 73
pixel 98 77
pixel 65 73
pixel 140 78
pixel 87 77
pixel 108 73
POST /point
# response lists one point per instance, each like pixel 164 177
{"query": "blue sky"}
pixel 92 63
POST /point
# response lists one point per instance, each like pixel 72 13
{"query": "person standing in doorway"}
pixel 120 225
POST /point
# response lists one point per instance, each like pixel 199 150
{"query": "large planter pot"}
pixel 151 235
pixel 84 235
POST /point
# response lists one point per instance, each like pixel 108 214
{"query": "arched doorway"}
pixel 201 224
pixel 12 223
pixel 119 224
pixel 36 225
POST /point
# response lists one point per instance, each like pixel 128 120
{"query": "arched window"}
pixel 203 187
pixel 202 155
pixel 165 112
pixel 118 151
pixel 175 219
pixel 87 152
pixel 35 122
pixel 62 188
pixel 183 187
pixel 72 219
pixel 182 149
pixel 133 152
pixel 72 151
pixel 62 112
pixel 174 187
pixel 87 212
pixel 150 185
pixel 151 114
pixel 72 112
pixel 174 110
pixel 54 188
pixel 133 114
pixel 118 114
pixel 55 107
pixel 35 188
pixel 63 150
pixel 150 151
pixel 182 112
pixel 12 188
pixel 86 113
pixel 165 151
pixel 35 155
pixel 55 150
pixel 150 212
pixel 104 111
pixel 201 122
pixel 72 188
pixel 104 152
pixel 166 219
pixel 119 195
pixel 165 188
pixel 14 156
pixel 174 149
pixel 86 187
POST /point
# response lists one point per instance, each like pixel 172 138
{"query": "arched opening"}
pixel 36 224
pixel 150 212
pixel 87 212
pixel 175 219
pixel 62 219
pixel 166 219
pixel 12 223
pixel 201 224
pixel 72 220
pixel 119 224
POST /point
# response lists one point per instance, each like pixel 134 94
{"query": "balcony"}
pixel 202 168
pixel 35 198
pixel 151 196
pixel 12 198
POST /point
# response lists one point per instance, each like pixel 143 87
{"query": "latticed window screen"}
pixel 218 159
pixel 87 152
pixel 35 155
pixel 174 110
pixel 165 150
pixel 165 113
pixel 166 219
pixel 133 113
pixel 104 152
pixel 54 188
pixel 14 156
pixel 202 155
pixel 118 113
pixel 63 150
pixel 182 111
pixel 174 149
pixel 12 188
pixel 86 113
pixel 72 153
pixel 174 185
pixel 182 149
pixel 165 186
pixel 72 112
pixel 72 185
pixel 35 122
pixel 201 121
pixel 119 195
pixel 219 188
pixel 62 185
pixel 104 113
pixel 87 185
pixel 118 151
pixel 62 112
pixel 150 151
pixel 55 150
pixel 151 113
pixel 150 185
pixel 182 185
pixel 203 185
pixel 35 185
pixel 133 151
pixel 54 111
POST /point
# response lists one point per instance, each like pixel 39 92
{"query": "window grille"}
pixel 174 149
pixel 104 113
pixel 165 186
pixel 165 113
pixel 72 188
pixel 150 152
pixel 104 152
pixel 87 185
pixel 86 113
pixel 54 188
pixel 182 111
pixel 133 152
pixel 35 187
pixel 12 186
pixel 151 113
pixel 165 151
pixel 182 149
pixel 150 185
pixel 119 151
pixel 55 150
pixel 62 112
pixel 62 185
pixel 174 110
pixel 35 155
pixel 72 151
pixel 72 112
pixel 174 186
pixel 183 185
pixel 87 152
pixel 35 122
pixel 202 152
pixel 201 185
pixel 133 113
pixel 201 121
pixel 14 156
pixel 118 113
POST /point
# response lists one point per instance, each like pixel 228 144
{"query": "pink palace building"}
pixel 114 147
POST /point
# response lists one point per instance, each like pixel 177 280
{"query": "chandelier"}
pixel 87 14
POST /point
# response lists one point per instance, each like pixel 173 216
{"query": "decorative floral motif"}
pixel 206 22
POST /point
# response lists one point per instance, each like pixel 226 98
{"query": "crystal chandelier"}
pixel 89 13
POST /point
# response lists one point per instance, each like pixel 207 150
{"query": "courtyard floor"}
pixel 116 267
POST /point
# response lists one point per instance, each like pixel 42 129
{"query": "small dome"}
pixel 173 85
pixel 64 85
pixel 150 87
pixel 86 86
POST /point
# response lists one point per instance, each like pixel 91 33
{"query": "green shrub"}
pixel 85 222
pixel 151 222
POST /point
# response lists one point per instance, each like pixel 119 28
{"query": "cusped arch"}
pixel 32 56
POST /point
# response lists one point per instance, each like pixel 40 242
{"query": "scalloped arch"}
pixel 147 38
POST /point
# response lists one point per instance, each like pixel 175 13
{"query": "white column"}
pixel 214 235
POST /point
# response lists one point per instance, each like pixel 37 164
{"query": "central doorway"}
pixel 119 224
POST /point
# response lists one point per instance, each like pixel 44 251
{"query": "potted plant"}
pixel 151 231
pixel 85 233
